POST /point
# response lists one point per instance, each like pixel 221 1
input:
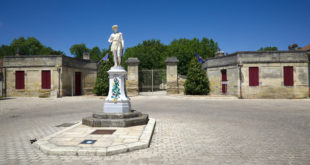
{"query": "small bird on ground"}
pixel 33 140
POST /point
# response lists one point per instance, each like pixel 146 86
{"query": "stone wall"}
pixel 215 80
pixel 270 74
pixel 88 71
pixel 88 80
pixel 181 81
pixel 32 82
pixel 33 66
pixel 271 81
pixel 32 61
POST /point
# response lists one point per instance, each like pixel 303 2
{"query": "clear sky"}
pixel 236 25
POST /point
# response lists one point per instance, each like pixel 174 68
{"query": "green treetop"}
pixel 268 48
pixel 27 46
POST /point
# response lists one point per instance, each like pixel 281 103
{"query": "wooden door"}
pixel 224 81
pixel 46 79
pixel 253 76
pixel 78 83
pixel 20 80
pixel 288 76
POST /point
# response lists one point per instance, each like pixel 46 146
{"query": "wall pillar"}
pixel 172 75
pixel 132 83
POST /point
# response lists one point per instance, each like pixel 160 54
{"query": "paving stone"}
pixel 188 131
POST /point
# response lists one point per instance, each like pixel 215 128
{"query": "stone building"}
pixel 253 74
pixel 48 75
pixel 1 77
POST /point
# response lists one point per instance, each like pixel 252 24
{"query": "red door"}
pixel 224 81
pixel 46 79
pixel 288 76
pixel 20 80
pixel 253 76
pixel 78 83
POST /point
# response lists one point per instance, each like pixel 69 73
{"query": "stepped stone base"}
pixel 131 118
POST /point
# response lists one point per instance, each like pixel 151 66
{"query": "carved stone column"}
pixel 132 83
pixel 172 75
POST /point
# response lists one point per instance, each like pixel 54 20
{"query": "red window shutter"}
pixel 43 80
pixel 253 76
pixel 19 80
pixel 224 75
pixel 46 79
pixel 288 73
pixel 224 78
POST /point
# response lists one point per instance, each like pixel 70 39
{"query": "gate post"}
pixel 132 83
pixel 172 75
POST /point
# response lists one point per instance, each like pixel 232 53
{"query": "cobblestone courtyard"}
pixel 189 130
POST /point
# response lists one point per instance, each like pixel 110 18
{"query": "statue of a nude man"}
pixel 117 45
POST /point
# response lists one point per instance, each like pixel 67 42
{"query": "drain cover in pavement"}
pixel 103 131
pixel 65 125
pixel 88 141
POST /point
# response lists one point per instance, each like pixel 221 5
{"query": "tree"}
pixel 6 50
pixel 29 46
pixel 151 53
pixel 196 82
pixel 268 48
pixel 78 49
pixel 102 82
pixel 185 49
pixel 95 53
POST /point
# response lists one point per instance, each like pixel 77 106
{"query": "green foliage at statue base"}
pixel 196 80
pixel 102 82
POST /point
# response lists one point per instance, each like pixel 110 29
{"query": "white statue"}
pixel 117 45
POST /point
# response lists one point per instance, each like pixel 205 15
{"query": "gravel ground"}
pixel 189 130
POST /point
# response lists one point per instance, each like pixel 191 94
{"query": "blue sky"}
pixel 236 25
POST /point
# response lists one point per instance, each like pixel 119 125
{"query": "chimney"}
pixel 219 53
pixel 86 56
pixel 17 52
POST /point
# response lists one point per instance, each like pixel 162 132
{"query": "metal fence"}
pixel 152 80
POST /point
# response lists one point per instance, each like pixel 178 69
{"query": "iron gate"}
pixel 152 80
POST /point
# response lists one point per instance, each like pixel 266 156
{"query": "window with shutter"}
pixel 253 76
pixel 46 79
pixel 288 76
pixel 224 81
pixel 19 80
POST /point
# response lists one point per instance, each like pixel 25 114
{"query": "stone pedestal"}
pixel 117 109
pixel 172 75
pixel 132 83
pixel 117 100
